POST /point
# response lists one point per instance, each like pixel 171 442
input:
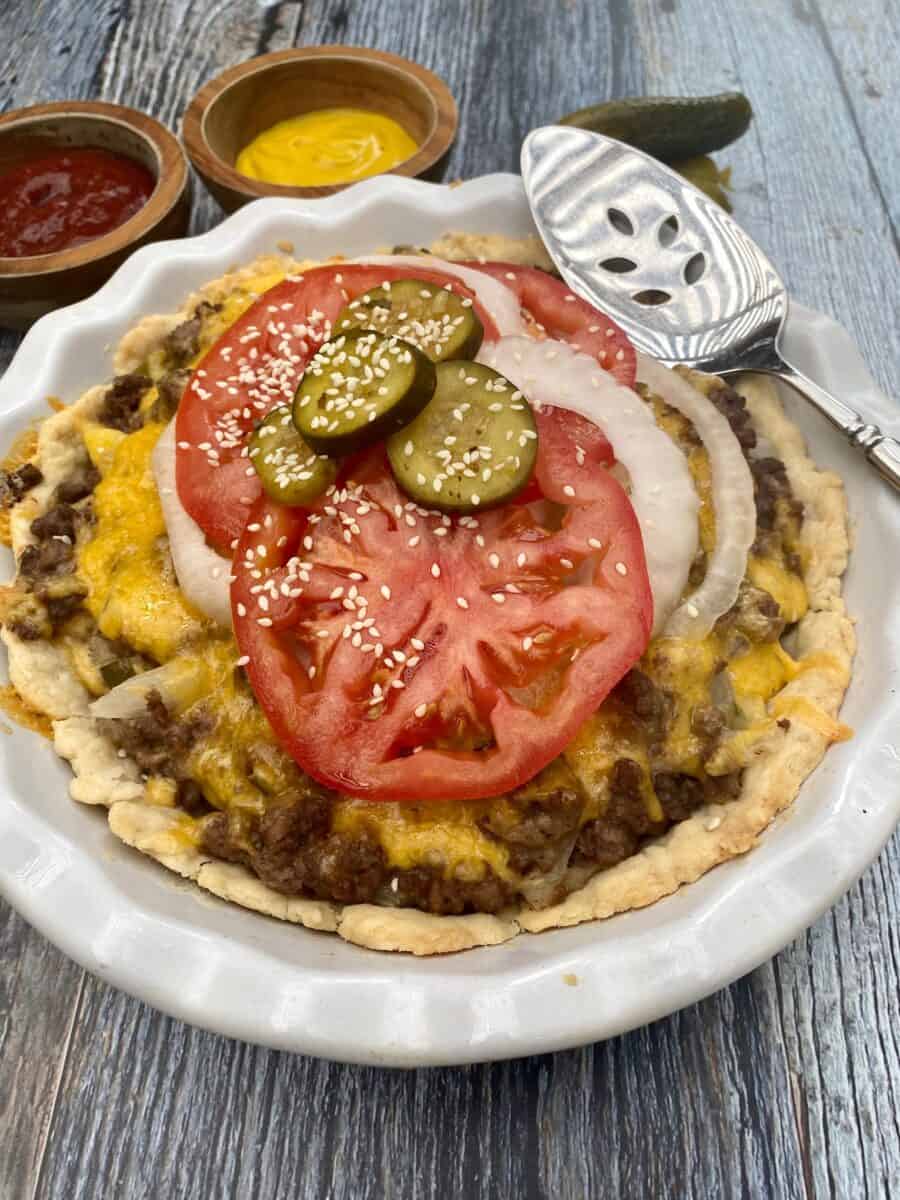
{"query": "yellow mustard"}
pixel 327 146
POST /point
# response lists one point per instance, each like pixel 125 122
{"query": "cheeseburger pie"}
pixel 398 597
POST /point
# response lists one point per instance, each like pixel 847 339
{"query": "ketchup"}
pixel 67 198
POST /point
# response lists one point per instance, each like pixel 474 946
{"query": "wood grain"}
pixel 786 1084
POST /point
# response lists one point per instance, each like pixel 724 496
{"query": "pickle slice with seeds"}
pixel 473 447
pixel 289 470
pixel 440 323
pixel 358 388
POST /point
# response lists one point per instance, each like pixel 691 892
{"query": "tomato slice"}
pixel 403 655
pixel 255 365
pixel 562 315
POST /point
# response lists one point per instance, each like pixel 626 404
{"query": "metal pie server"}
pixel 671 267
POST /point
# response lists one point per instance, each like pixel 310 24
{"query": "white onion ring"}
pixel 732 494
pixel 178 682
pixel 203 575
pixel 662 489
pixel 499 302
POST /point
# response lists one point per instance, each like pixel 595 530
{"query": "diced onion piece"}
pixel 203 575
pixel 662 489
pixel 499 302
pixel 732 494
pixel 178 682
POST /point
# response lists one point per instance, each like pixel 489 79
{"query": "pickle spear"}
pixel 669 128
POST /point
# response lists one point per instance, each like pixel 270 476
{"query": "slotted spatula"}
pixel 671 267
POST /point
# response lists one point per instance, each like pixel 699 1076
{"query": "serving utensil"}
pixel 671 267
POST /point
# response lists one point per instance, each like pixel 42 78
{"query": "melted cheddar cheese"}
pixel 132 591
pixel 786 589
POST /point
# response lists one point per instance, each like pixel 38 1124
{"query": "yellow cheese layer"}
pixel 762 671
pixel 439 834
pixel 787 589
pixel 132 592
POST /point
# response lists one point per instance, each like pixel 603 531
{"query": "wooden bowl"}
pixel 32 286
pixel 231 109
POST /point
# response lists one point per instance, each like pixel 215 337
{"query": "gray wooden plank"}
pixel 703 1094
pixel 862 38
pixel 784 1083
pixel 803 185
pixel 805 157
pixel 39 996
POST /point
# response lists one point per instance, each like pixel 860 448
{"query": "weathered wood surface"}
pixel 785 1084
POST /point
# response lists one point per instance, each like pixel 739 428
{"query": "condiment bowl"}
pixel 32 286
pixel 231 109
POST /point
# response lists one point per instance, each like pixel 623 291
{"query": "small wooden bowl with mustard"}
pixel 82 184
pixel 310 121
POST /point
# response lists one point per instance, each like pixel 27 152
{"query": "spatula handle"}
pixel 883 452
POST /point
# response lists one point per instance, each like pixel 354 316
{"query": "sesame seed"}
pixel 568 490
pixel 595 543
pixel 494 560
pixel 420 710
pixel 417 643
pixel 621 568
pixel 243 660
pixel 385 591
pixel 435 570
pixel 462 602
pixel 527 643
pixel 498 597
pixel 521 560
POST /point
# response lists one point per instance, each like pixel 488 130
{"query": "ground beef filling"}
pixel 626 826
pixel 15 484
pixel 184 341
pixel 771 486
pixel 156 741
pixel 50 590
pixel 293 850
pixel 120 407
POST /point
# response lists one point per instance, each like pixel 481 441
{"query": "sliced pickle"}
pixel 358 388
pixel 290 471
pixel 473 447
pixel 436 320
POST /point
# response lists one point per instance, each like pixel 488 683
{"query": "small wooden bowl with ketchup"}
pixel 332 114
pixel 82 185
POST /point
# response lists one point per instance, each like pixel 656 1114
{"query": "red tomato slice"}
pixel 403 655
pixel 570 444
pixel 255 365
pixel 566 317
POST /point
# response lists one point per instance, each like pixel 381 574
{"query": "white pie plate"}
pixel 139 927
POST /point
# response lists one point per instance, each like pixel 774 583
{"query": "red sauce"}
pixel 66 198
